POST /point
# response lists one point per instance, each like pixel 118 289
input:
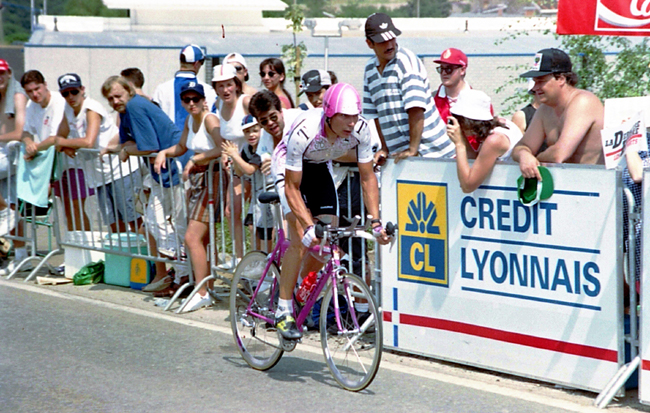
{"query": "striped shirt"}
pixel 388 96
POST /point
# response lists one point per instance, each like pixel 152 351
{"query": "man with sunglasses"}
pixel 275 121
pixel 397 95
pixel 167 95
pixel 452 69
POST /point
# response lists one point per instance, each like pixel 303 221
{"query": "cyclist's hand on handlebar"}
pixel 310 237
pixel 380 235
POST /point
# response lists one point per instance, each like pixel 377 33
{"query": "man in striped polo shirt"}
pixel 397 95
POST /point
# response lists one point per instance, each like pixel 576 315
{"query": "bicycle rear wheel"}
pixel 256 338
pixel 352 352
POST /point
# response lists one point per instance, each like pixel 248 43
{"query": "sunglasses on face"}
pixel 273 118
pixel 73 92
pixel 269 74
pixel 239 68
pixel 446 69
pixel 3 72
pixel 194 99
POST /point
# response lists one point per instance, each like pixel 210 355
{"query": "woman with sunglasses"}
pixel 232 107
pixel 201 135
pixel 479 135
pixel 273 75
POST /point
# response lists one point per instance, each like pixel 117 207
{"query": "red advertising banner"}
pixel 604 17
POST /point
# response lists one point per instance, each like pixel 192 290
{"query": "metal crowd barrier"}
pixel 91 229
pixel 30 210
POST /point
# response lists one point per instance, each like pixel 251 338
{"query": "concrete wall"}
pixel 94 65
pixel 14 55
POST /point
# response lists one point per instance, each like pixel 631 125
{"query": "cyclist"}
pixel 318 136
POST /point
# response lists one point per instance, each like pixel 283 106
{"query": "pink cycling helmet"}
pixel 341 98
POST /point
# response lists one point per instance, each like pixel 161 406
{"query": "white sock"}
pixel 361 307
pixel 284 307
pixel 20 254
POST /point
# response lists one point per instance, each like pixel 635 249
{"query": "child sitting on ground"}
pixel 248 162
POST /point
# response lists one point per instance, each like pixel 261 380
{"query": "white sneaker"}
pixel 7 221
pixel 28 266
pixel 198 302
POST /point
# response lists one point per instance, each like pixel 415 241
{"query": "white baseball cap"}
pixel 235 57
pixel 473 104
pixel 223 72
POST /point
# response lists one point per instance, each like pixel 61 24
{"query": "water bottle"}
pixel 306 287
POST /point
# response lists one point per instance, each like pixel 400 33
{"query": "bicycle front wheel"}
pixel 353 349
pixel 256 338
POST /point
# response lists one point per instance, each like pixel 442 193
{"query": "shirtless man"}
pixel 569 119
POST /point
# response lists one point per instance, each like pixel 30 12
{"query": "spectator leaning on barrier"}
pixel 144 130
pixel 201 135
pixel 76 184
pixel 167 95
pixel 314 83
pixel 239 63
pixel 568 121
pixel 13 102
pixel 397 95
pixel 232 107
pixel 479 135
pixel 452 69
pixel 87 124
pixel 43 115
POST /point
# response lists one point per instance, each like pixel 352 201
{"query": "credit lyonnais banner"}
pixel 604 17
pixel 482 279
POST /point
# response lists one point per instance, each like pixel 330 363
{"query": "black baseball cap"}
pixel 69 81
pixel 380 28
pixel 548 61
pixel 314 81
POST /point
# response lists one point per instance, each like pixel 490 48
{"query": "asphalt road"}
pixel 68 354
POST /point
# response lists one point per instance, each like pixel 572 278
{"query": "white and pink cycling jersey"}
pixel 308 142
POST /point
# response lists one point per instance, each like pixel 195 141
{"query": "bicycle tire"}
pixel 352 358
pixel 256 340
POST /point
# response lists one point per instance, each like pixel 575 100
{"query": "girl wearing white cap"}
pixel 232 107
pixel 479 135
pixel 201 135
pixel 239 63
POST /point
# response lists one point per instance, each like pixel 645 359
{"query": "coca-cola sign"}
pixel 605 17
pixel 623 15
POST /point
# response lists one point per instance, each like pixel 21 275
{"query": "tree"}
pixel 623 74
pixel 428 8
pixel 294 54
pixel 91 8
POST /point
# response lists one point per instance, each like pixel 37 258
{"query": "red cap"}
pixel 452 56
pixel 4 65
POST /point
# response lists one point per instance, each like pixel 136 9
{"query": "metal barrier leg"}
pixel 617 382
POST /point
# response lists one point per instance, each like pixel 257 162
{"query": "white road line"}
pixel 387 365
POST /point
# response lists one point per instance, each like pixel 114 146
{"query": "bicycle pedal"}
pixel 288 345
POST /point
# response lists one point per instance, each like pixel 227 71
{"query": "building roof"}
pixel 196 4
